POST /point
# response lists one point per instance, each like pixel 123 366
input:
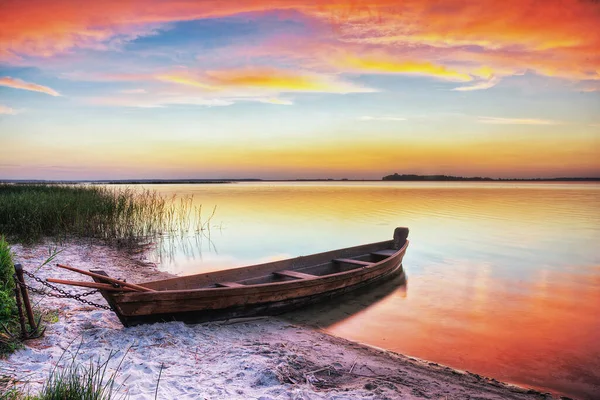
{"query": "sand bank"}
pixel 264 358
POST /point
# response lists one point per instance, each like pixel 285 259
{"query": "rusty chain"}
pixel 63 294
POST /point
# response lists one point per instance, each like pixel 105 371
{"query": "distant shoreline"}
pixel 449 178
pixel 388 178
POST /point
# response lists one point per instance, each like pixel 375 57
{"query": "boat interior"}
pixel 314 271
pixel 301 268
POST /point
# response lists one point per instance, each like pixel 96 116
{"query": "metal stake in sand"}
pixel 22 298
pixel 25 295
pixel 20 308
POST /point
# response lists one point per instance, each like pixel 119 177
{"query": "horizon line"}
pixel 407 178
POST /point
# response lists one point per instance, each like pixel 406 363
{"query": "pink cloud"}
pixel 420 37
pixel 20 84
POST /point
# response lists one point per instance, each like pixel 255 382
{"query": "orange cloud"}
pixel 558 63
pixel 19 84
pixel 554 38
pixel 264 79
pixel 185 80
pixel 449 40
pixel 393 66
pixel 488 23
pixel 491 24
pixel 221 87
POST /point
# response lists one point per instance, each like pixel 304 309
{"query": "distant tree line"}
pixel 412 177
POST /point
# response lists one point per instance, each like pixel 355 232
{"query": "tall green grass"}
pixel 7 283
pixel 72 380
pixel 8 310
pixel 125 217
pixel 77 381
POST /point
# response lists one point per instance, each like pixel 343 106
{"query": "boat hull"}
pixel 177 300
pixel 253 310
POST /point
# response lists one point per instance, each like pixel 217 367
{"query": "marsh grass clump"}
pixel 72 380
pixel 125 217
pixel 78 381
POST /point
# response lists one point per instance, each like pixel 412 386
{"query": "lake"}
pixel 503 279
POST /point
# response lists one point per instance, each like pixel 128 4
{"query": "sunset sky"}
pixel 118 89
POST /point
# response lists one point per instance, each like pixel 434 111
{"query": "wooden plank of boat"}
pixel 294 274
pixel 261 290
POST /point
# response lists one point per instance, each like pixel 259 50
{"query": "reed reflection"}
pixel 327 313
pixel 171 249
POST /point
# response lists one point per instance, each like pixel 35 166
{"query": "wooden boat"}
pixel 262 289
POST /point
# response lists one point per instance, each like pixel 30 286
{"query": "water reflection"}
pixel 540 333
pixel 504 278
pixel 328 313
pixel 170 248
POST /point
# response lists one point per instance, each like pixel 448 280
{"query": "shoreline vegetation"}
pixel 8 306
pixel 393 177
pixel 122 217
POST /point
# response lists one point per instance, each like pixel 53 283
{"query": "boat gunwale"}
pixel 272 263
pixel 133 296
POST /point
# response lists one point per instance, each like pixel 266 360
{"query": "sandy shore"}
pixel 264 358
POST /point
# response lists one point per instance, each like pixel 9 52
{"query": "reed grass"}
pixel 125 217
pixel 71 379
pixel 8 310
pixel 7 283
pixel 77 381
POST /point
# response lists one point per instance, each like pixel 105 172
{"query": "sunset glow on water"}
pixel 503 279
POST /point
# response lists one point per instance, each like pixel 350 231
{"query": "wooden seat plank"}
pixel 351 261
pixel 229 284
pixel 294 274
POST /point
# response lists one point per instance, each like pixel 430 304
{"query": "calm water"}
pixel 502 279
